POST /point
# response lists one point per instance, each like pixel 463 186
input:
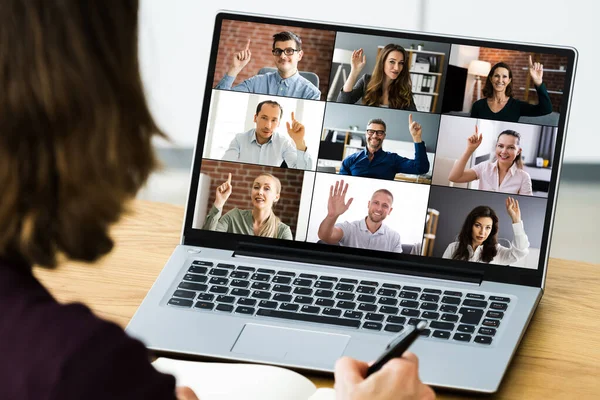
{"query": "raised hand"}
pixel 240 59
pixel 474 140
pixel 296 132
pixel 536 70
pixel 337 205
pixel 415 129
pixel 512 207
pixel 358 61
pixel 223 192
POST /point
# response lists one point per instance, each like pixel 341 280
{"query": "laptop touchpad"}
pixel 290 344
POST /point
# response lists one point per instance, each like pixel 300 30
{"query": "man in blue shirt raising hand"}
pixel 374 162
pixel 286 81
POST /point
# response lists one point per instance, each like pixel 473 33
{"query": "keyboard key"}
pixel 346 305
pixel 344 296
pixel 375 326
pixel 393 328
pixel 239 283
pixel 289 307
pixel 205 263
pixel 374 317
pixel 425 332
pixel 284 298
pixel 409 312
pixel 332 311
pixel 452 293
pixel 353 314
pixel 309 318
pixel 246 302
pixel 193 286
pixel 303 282
pixel 388 310
pixel 471 316
pixel 239 275
pixel 495 314
pixel 387 292
pixel 395 319
pixel 260 277
pixel 266 271
pixel 451 300
pixel 282 288
pixel 225 299
pixel 184 294
pixel 412 288
pixel 492 323
pixel 206 297
pixel 284 280
pixel 441 334
pixel 261 286
pixel 324 293
pixel 198 270
pixel 430 315
pixel 180 302
pixel 430 297
pixel 308 276
pixel 240 292
pixel 204 305
pixel 499 306
pixel 365 289
pixel 414 321
pixel 304 291
pixel 450 317
pixel 365 298
pixel 498 298
pixel 408 295
pixel 267 304
pixel 218 289
pixel 215 280
pixel 351 281
pixel 409 304
pixel 303 300
pixel 245 310
pixel 429 306
pixel 258 294
pixel 227 266
pixel 344 287
pixel 286 273
pixel 367 307
pixel 369 283
pixel 483 339
pixel 325 302
pixel 328 278
pixel 323 285
pixel 218 272
pixel 465 328
pixel 195 278
pixel 243 268
pixel 462 337
pixel 448 309
pixel 388 301
pixel 391 286
pixel 475 296
pixel 432 291
pixel 475 303
pixel 224 307
pixel 487 331
pixel 310 309
pixel 445 326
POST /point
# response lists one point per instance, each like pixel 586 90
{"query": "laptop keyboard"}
pixel 376 306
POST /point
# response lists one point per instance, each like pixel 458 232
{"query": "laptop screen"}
pixel 392 144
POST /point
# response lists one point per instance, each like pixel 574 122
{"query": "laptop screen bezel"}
pixel 496 273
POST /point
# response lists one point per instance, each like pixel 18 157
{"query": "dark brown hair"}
pixel 465 237
pixel 75 129
pixel 271 103
pixel 488 90
pixel 285 36
pixel 399 91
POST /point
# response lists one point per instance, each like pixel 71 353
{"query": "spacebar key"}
pixel 309 318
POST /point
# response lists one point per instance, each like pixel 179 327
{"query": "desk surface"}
pixel 559 356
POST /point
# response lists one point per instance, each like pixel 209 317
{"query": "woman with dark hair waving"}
pixel 499 103
pixel 504 173
pixel 260 221
pixel 478 238
pixel 388 86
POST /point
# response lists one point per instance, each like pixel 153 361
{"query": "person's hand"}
pixel 474 140
pixel 512 207
pixel 415 129
pixel 536 70
pixel 337 205
pixel 358 60
pixel 239 60
pixel 296 132
pixel 397 379
pixel 223 192
pixel 185 393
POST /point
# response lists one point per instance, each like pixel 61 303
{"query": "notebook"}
pixel 339 194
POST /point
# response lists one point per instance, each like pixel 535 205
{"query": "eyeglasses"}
pixel 372 132
pixel 288 51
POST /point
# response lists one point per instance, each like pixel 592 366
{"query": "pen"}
pixel 397 347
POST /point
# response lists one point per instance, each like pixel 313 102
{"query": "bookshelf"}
pixel 425 69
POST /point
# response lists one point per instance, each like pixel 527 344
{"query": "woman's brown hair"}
pixel 75 129
pixel 399 91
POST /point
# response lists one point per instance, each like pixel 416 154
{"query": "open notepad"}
pixel 220 381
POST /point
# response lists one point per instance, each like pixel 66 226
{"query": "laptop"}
pixel 340 194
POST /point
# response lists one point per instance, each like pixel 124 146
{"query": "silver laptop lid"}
pixel 452 170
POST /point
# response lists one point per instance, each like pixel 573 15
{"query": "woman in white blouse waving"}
pixel 504 173
pixel 478 238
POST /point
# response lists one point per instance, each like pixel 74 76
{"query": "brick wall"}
pixel 242 176
pixel 519 60
pixel 316 44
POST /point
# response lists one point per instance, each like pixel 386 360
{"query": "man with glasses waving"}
pixel 374 162
pixel 286 81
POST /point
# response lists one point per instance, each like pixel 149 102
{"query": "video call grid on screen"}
pixel 425 214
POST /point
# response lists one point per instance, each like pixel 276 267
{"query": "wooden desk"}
pixel 558 358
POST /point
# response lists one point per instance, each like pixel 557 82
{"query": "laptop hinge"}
pixel 421 268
